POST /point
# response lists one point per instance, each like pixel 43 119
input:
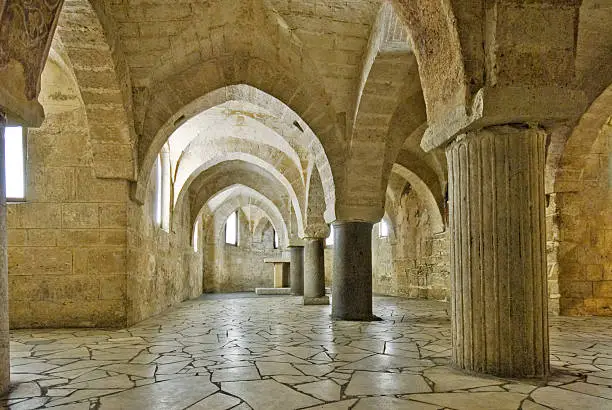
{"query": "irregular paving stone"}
pixel 369 383
pixel 383 402
pixel 235 374
pixel 315 369
pixel 268 395
pixel 294 379
pixel 472 401
pixel 274 368
pixel 565 399
pixel 447 379
pixel 24 390
pixel 132 369
pixel 383 362
pixel 167 395
pixel 30 403
pixel 217 401
pixel 325 390
pixel 592 389
pixel 113 382
pixel 339 405
pixel 82 394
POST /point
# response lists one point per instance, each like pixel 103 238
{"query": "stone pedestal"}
pixel 4 312
pixel 314 272
pixel 352 276
pixel 281 271
pixel 296 270
pixel 498 261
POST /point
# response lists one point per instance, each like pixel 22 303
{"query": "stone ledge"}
pixel 323 300
pixel 273 291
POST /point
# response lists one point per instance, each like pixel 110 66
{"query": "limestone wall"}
pixel 163 268
pixel 229 268
pixel 583 232
pixel 67 243
pixel 413 261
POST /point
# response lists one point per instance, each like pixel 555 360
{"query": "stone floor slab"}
pixel 268 395
pixel 369 383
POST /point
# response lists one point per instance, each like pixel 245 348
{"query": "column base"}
pixel 323 300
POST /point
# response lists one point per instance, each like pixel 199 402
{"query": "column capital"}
pixel 493 106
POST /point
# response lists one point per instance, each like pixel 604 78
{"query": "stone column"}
pixel 314 272
pixel 498 261
pixel 296 270
pixel 352 277
pixel 4 313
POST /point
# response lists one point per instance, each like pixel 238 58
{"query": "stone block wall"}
pixel 241 268
pixel 163 268
pixel 67 243
pixel 584 223
pixel 412 261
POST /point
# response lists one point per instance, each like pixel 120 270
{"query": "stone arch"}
pixel 318 155
pixel 437 43
pixel 226 201
pixel 261 227
pixel 227 174
pixel 424 192
pixel 258 162
pixel 200 152
pixel 175 96
pixel 103 79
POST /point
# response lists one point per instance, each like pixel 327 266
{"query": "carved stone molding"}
pixel 26 31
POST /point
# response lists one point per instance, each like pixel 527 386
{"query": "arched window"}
pixel 231 229
pixel 196 236
pixel 383 229
pixel 14 166
pixel 276 240
pixel 330 239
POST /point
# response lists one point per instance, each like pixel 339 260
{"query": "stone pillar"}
pixel 498 261
pixel 296 270
pixel 314 272
pixel 352 276
pixel 4 313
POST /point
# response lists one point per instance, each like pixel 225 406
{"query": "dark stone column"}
pixel 4 312
pixel 498 260
pixel 296 270
pixel 352 277
pixel 314 272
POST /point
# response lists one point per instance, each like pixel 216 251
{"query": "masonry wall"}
pixel 163 268
pixel 67 243
pixel 413 261
pixel 241 268
pixel 583 232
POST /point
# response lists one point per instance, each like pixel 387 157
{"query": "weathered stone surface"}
pixel 498 261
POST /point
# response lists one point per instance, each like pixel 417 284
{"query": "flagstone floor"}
pixel 274 353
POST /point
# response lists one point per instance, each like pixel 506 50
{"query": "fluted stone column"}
pixel 296 270
pixel 314 272
pixel 352 276
pixel 498 261
pixel 4 313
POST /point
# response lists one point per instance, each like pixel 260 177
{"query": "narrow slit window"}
pixel 196 236
pixel 330 239
pixel 158 191
pixel 231 229
pixel 383 231
pixel 14 167
pixel 276 241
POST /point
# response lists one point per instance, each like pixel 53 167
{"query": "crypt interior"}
pixel 291 204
